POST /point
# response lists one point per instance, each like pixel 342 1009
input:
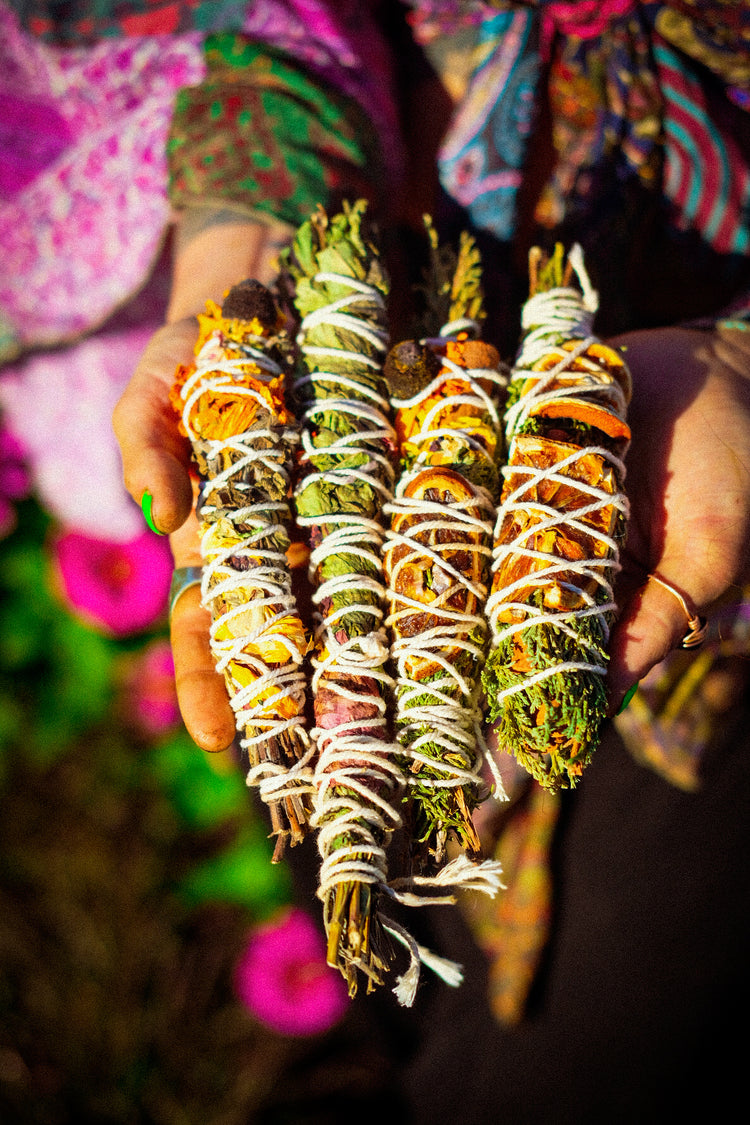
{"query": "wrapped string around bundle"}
pixel 437 561
pixel 232 408
pixel 347 472
pixel 560 524
pixel 445 392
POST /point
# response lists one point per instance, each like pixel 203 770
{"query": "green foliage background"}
pixel 130 873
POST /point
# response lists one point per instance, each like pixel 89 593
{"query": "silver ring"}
pixel 183 578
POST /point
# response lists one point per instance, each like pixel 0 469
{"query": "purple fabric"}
pixel 83 204
pixel 58 405
pixel 32 136
pixel 83 209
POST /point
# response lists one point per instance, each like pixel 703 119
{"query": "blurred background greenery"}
pixel 133 869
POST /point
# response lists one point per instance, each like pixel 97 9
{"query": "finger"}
pixel 651 624
pixel 201 691
pixel 155 457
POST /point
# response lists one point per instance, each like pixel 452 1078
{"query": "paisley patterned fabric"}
pixel 482 158
pixel 646 127
pixel 705 176
pixel 87 99
pixel 512 929
pixel 257 132
pixel 339 43
pixel 648 132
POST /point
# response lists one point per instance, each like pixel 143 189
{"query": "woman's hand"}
pixel 688 469
pixel 156 459
pixel 214 250
pixel 689 486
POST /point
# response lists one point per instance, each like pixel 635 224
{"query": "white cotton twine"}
pixel 561 313
pixel 266 582
pixel 356 774
pixel 363 762
pixel 453 718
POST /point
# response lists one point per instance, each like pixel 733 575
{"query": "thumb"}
pixel 155 457
pixel 652 623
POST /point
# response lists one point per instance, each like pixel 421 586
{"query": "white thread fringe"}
pixel 406 985
pixel 461 874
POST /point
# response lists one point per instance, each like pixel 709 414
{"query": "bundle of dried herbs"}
pixel 231 403
pixel 445 391
pixel 347 470
pixel 560 525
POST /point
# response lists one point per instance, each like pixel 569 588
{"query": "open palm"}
pixel 689 488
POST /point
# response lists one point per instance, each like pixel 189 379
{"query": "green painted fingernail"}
pixel 147 501
pixel 628 696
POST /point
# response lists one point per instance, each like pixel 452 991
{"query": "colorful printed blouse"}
pixel 621 124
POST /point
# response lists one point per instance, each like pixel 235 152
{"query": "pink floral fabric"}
pixel 83 222
pixel 83 200
pixel 59 408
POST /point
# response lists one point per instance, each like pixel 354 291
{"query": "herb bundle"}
pixel 445 391
pixel 231 403
pixel 560 524
pixel 347 473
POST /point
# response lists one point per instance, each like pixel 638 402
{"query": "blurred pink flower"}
pixel 121 588
pixel 149 691
pixel 284 981
pixel 14 479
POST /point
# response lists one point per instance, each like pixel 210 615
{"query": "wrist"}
pixel 215 247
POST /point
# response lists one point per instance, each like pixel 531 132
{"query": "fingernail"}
pixel 147 501
pixel 628 696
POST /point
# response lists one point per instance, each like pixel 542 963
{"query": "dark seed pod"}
pixel 410 367
pixel 250 300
